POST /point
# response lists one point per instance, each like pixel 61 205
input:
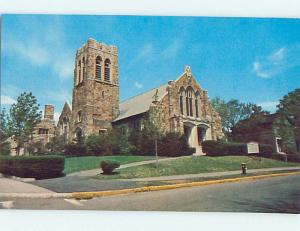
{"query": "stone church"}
pixel 179 105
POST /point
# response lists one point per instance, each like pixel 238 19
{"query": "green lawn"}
pixel 75 164
pixel 196 165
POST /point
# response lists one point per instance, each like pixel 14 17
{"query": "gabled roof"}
pixel 66 110
pixel 140 103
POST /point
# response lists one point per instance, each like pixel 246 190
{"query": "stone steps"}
pixel 199 152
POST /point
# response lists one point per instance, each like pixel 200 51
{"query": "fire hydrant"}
pixel 244 168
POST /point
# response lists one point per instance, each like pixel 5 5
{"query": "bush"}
pixel 39 167
pixel 265 150
pixel 4 149
pixel 174 144
pixel 293 157
pixel 109 166
pixel 221 148
pixel 98 145
pixel 75 150
pixel 57 144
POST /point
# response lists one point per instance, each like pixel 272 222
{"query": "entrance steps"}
pixel 199 151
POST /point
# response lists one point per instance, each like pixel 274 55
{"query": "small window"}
pixel 79 116
pixel 107 70
pixel 181 103
pixel 196 107
pixel 187 106
pixel 137 125
pixel 43 131
pixel 103 94
pixel 98 67
pixel 102 131
pixel 83 69
pixel 79 72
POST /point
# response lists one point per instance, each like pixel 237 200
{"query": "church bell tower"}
pixel 95 102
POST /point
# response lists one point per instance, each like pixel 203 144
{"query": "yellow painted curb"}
pixel 89 195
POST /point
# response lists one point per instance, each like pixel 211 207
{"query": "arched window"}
pixel 79 72
pixel 107 70
pixel 79 116
pixel 189 101
pixel 83 69
pixel 181 101
pixel 98 67
pixel 197 104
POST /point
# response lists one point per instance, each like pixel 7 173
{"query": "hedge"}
pixel 39 167
pixel 265 150
pixel 221 148
pixel 293 158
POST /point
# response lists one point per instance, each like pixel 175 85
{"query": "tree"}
pixel 289 106
pixel 3 125
pixel 23 118
pixel 233 111
pixel 57 144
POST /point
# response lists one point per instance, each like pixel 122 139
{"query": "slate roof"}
pixel 140 103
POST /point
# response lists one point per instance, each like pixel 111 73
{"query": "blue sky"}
pixel 253 60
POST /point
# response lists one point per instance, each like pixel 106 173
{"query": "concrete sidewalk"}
pixel 94 172
pixel 14 186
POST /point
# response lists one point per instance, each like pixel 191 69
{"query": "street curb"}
pixel 89 195
pixel 36 195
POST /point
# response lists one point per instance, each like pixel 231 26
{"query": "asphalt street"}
pixel 270 195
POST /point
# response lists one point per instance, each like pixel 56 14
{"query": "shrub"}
pixel 57 144
pixel 4 149
pixel 265 150
pixel 221 148
pixel 293 157
pixel 98 145
pixel 39 167
pixel 109 166
pixel 36 148
pixel 75 150
pixel 174 144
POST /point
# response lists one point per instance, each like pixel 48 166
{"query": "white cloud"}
pixel 257 68
pixel 278 55
pixel 269 105
pixel 56 116
pixel 145 51
pixel 138 85
pixel 171 50
pixel 30 52
pixel 59 95
pixel 277 62
pixel 44 51
pixel 6 100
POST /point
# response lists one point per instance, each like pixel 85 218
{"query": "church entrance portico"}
pixel 196 134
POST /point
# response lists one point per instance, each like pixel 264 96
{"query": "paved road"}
pixel 280 194
pixel 83 183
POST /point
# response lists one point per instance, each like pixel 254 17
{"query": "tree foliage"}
pixel 289 106
pixel 23 118
pixel 3 125
pixel 233 111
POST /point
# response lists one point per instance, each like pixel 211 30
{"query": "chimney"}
pixel 49 112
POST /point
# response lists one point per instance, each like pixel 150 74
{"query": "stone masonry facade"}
pixel 178 106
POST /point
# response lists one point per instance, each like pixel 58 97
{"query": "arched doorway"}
pixel 201 131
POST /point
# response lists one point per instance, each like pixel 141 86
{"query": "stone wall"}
pixel 166 113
